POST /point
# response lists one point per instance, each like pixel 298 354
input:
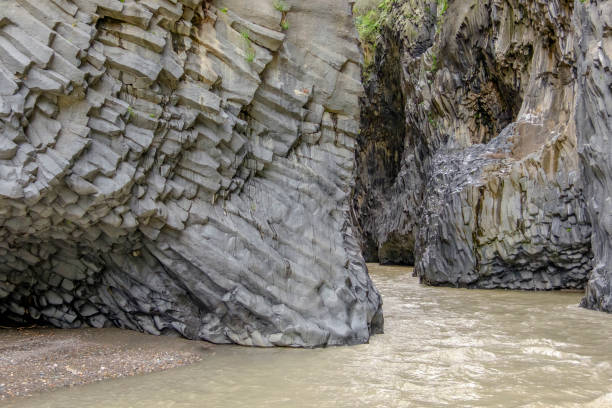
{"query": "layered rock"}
pixel 489 192
pixel 180 166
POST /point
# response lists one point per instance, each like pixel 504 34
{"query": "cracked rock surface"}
pixel 183 166
pixel 484 156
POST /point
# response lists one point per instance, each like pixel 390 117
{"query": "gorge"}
pixel 215 168
pixel 442 346
pixel 483 157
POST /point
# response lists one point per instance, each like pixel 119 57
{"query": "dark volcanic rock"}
pixel 498 98
pixel 183 166
pixel 594 129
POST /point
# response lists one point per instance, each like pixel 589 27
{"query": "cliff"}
pixel 183 166
pixel 593 128
pixel 495 171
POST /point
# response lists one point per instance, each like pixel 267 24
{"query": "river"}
pixel 441 347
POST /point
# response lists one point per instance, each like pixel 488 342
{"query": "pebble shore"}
pixel 33 360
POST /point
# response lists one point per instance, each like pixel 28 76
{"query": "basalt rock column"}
pixel 182 166
pixel 594 129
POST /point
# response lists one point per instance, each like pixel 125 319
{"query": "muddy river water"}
pixel 441 347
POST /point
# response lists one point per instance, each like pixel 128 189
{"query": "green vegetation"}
pixel 249 49
pixel 224 10
pixel 369 19
pixel 281 6
pixel 372 15
pixel 444 5
pixel 284 8
pixel 434 63
pixel 250 55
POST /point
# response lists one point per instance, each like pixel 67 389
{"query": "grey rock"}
pixel 483 156
pixel 53 298
pixel 88 310
pixel 98 321
pixel 160 170
pixel 7 148
pixel 593 127
pixel 67 284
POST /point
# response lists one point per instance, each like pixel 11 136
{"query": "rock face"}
pixel 486 188
pixel 183 166
pixel 594 129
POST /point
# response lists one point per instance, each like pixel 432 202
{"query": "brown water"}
pixel 442 347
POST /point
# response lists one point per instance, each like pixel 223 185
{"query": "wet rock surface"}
pixel 503 167
pixel 183 166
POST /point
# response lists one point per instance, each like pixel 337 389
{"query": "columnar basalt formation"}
pixel 507 109
pixel 594 129
pixel 183 166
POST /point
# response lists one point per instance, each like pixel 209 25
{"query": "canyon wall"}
pixel 183 166
pixel 499 176
pixel 594 130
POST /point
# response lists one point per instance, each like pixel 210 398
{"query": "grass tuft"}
pixel 250 55
pixel 369 20
pixel 281 6
pixel 443 4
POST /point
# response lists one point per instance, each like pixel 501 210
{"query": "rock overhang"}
pixel 183 166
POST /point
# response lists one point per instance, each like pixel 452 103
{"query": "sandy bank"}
pixel 39 359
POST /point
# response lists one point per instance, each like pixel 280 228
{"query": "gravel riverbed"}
pixel 33 360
